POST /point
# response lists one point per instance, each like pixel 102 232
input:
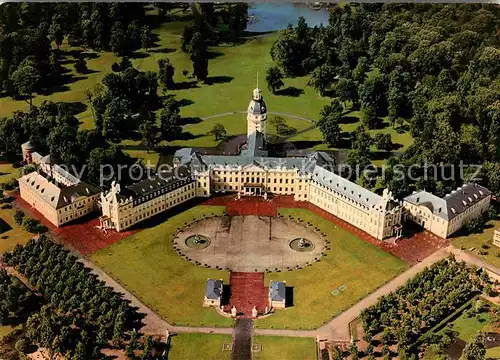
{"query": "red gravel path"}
pixel 247 291
pixel 81 235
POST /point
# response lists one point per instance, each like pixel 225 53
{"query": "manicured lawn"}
pixel 467 242
pixel 7 172
pixel 467 327
pixel 493 353
pixel 146 264
pixel 9 238
pixel 6 330
pixel 198 347
pixel 284 348
pixel 351 262
pixel 235 124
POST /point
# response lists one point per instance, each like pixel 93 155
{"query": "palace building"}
pixel 445 216
pixel 58 195
pixel 254 173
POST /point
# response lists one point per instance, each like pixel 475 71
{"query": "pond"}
pixel 266 17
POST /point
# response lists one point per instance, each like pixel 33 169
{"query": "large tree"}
pixel 26 79
pixel 274 79
pixel 199 57
pixel 475 349
pixel 166 73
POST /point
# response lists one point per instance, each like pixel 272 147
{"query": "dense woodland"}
pixel 434 69
pixel 403 316
pixel 81 314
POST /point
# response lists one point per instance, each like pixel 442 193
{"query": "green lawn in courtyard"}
pixel 147 265
pixel 199 347
pixel 284 348
pixel 475 242
pixel 351 262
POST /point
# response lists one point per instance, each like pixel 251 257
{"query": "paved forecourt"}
pixel 251 243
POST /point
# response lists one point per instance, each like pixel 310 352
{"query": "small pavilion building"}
pixel 213 293
pixel 277 294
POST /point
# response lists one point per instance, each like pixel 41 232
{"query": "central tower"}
pixel 257 114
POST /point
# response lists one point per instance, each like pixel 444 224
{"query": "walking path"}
pixel 335 330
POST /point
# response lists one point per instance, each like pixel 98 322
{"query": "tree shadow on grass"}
pixel 305 144
pixel 186 85
pixel 138 55
pixel 289 296
pixel 290 91
pixel 349 120
pixel 211 80
pixel 214 54
pixel 163 50
pixel 184 102
pixel 186 135
pixel 190 120
pixel 77 107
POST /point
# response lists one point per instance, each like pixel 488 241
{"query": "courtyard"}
pixel 147 265
pixel 250 243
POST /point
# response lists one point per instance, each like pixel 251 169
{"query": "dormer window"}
pixel 463 202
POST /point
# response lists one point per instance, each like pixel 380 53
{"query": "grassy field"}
pixel 147 265
pixel 475 241
pixel 284 348
pixel 233 71
pixel 468 326
pixel 199 346
pixel 351 262
pixel 5 330
pixel 234 124
pixel 16 235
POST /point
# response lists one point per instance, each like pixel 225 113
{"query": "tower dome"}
pixel 257 105
pixel 257 113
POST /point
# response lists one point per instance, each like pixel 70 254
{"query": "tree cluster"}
pixel 404 315
pixel 15 298
pixel 123 98
pixel 27 62
pixel 429 68
pixel 83 313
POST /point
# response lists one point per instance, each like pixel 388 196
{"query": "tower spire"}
pixel 257 79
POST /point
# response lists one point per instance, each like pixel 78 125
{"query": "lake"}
pixel 274 16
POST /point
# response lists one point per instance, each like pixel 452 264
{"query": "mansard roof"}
pixel 452 204
pixel 57 196
pixel 277 290
pixel 166 180
pixel 214 289
pixel 347 188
